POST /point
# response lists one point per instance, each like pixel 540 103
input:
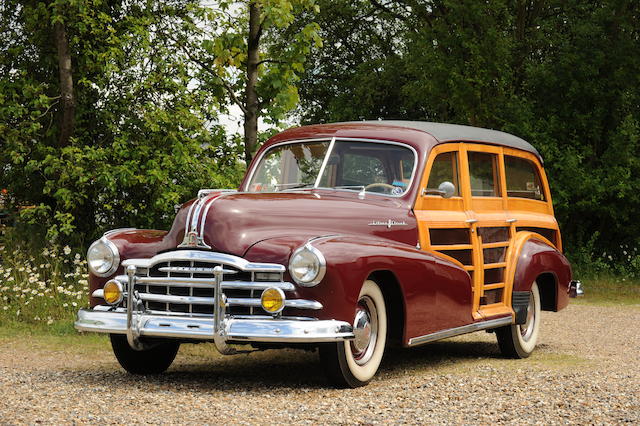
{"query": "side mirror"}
pixel 445 190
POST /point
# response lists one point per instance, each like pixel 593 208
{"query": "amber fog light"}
pixel 272 300
pixel 112 292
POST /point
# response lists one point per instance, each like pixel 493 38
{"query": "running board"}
pixel 483 325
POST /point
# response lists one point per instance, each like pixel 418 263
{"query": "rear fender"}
pixel 533 257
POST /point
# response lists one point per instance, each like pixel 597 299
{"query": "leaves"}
pixel 144 138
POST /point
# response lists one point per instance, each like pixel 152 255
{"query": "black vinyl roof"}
pixel 456 132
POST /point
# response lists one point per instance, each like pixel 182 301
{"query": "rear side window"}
pixel 523 179
pixel 483 172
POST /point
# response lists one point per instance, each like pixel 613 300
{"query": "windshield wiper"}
pixel 294 185
pixel 359 187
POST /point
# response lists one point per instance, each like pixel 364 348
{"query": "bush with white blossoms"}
pixel 42 287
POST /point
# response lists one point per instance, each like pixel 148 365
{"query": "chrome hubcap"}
pixel 526 329
pixel 365 329
pixel 362 331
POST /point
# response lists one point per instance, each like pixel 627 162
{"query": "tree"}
pixel 563 75
pixel 248 48
pixel 107 129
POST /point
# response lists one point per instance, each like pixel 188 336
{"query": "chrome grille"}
pixel 183 283
pixel 187 287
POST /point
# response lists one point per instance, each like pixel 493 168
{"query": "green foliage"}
pixel 143 140
pixel 221 46
pixel 563 75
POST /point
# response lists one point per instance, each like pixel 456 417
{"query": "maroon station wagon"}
pixel 347 238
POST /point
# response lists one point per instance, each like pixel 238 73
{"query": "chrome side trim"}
pixel 414 341
pixel 235 329
pixel 113 231
pixel 205 256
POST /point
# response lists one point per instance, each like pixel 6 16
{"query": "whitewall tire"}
pixel 354 363
pixel 519 340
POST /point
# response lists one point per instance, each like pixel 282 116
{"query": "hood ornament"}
pixel 193 240
pixel 389 223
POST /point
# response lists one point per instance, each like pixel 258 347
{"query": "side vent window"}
pixel 444 169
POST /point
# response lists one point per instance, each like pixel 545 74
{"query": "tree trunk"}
pixel 251 101
pixel 67 100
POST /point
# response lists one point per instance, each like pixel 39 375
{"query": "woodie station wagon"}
pixel 347 238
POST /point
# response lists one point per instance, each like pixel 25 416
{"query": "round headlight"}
pixel 307 266
pixel 103 258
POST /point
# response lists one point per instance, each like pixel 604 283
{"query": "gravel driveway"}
pixel 586 370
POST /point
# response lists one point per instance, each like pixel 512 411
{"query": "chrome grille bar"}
pixel 193 270
pixel 231 301
pixel 208 283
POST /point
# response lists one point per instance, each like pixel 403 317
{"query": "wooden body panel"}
pixel 498 226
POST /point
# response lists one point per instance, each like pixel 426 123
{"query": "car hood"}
pixel 233 222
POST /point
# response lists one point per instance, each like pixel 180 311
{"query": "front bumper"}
pixel 232 329
pixel 137 321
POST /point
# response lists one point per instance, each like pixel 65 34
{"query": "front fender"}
pixel 436 293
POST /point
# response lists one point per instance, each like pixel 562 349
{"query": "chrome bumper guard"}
pixel 135 321
pixel 576 289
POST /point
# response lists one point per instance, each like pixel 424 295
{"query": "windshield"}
pixel 357 166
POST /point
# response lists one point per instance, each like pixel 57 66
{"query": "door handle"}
pixel 514 220
pixel 471 221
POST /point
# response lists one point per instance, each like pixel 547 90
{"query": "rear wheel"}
pixel 154 360
pixel 519 340
pixel 354 363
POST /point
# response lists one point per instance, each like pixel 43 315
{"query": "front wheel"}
pixel 154 360
pixel 354 363
pixel 519 340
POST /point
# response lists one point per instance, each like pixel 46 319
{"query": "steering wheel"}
pixel 379 185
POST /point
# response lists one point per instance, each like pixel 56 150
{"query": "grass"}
pixel 610 290
pixel 58 336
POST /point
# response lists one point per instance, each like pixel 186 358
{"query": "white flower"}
pixel 5 308
pixel 67 250
pixel 50 321
pixel 74 304
pixel 65 305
